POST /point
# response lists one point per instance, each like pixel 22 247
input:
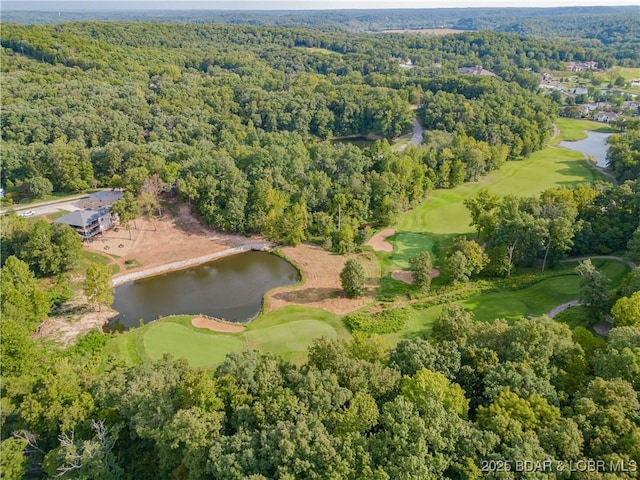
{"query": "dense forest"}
pixel 247 125
pixel 237 118
pixel 612 29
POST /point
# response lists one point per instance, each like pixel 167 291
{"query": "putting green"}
pixel 199 349
pixel 294 336
pixel 288 331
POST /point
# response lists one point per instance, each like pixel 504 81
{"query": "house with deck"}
pixel 89 223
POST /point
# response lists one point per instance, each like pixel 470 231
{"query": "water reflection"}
pixel 231 288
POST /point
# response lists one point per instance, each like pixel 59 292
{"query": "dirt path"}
pixel 403 275
pixel 379 241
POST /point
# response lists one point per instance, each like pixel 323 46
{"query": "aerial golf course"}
pixel 289 331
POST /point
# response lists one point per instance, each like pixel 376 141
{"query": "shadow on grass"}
pixel 309 295
pixel 409 244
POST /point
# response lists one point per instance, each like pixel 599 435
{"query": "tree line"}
pixel 443 407
pixel 582 220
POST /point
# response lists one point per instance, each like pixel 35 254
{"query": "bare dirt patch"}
pixel 379 241
pixel 407 277
pixel 216 326
pixel 403 275
pixel 174 237
pixel 322 287
pixel 65 329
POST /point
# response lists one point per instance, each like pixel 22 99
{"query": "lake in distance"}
pixel 595 145
pixel 231 288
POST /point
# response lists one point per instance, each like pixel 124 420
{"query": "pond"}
pixel 595 145
pixel 231 288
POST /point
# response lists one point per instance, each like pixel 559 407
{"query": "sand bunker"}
pixel 407 277
pixel 202 322
pixel 379 241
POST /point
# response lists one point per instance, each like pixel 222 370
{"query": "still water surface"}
pixel 231 288
pixel 594 145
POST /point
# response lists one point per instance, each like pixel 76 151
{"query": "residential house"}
pixel 475 70
pixel 631 105
pixel 89 223
pixel 606 117
pixel 581 66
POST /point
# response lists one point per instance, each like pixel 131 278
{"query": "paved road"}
pixel 631 265
pixel 562 308
pixel 416 139
pixel 70 203
pixel 575 303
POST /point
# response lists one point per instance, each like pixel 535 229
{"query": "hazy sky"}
pixel 338 4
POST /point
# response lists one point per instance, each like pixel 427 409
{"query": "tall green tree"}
pixel 352 278
pixel 421 267
pixel 465 258
pixel 626 311
pixel 593 288
pixel 97 285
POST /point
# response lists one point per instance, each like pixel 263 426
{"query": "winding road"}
pixel 575 303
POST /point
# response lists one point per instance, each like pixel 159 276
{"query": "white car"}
pixel 28 213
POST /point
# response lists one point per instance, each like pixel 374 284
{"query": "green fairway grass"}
pixel 535 300
pixel 542 297
pixel 200 349
pixel 572 129
pixel 443 215
pixel 288 331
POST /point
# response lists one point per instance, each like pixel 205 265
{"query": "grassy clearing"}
pixel 198 348
pixel 287 332
pixel 572 129
pixel 443 215
pixel 574 317
pixel 94 257
pixel 319 50
pixel 627 73
pixel 542 297
pixel 535 300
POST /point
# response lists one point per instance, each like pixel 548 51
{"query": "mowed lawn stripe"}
pixel 444 211
pixel 294 336
pixel 199 349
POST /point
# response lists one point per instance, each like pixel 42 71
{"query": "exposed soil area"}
pixel 174 237
pixel 407 277
pixel 78 319
pixel 403 275
pixel 322 287
pixel 379 241
pixel 216 326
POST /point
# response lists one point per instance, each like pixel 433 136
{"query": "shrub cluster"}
pixel 385 321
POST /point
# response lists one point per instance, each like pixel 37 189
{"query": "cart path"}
pixel 575 303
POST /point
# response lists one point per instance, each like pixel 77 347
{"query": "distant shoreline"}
pixel 183 264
